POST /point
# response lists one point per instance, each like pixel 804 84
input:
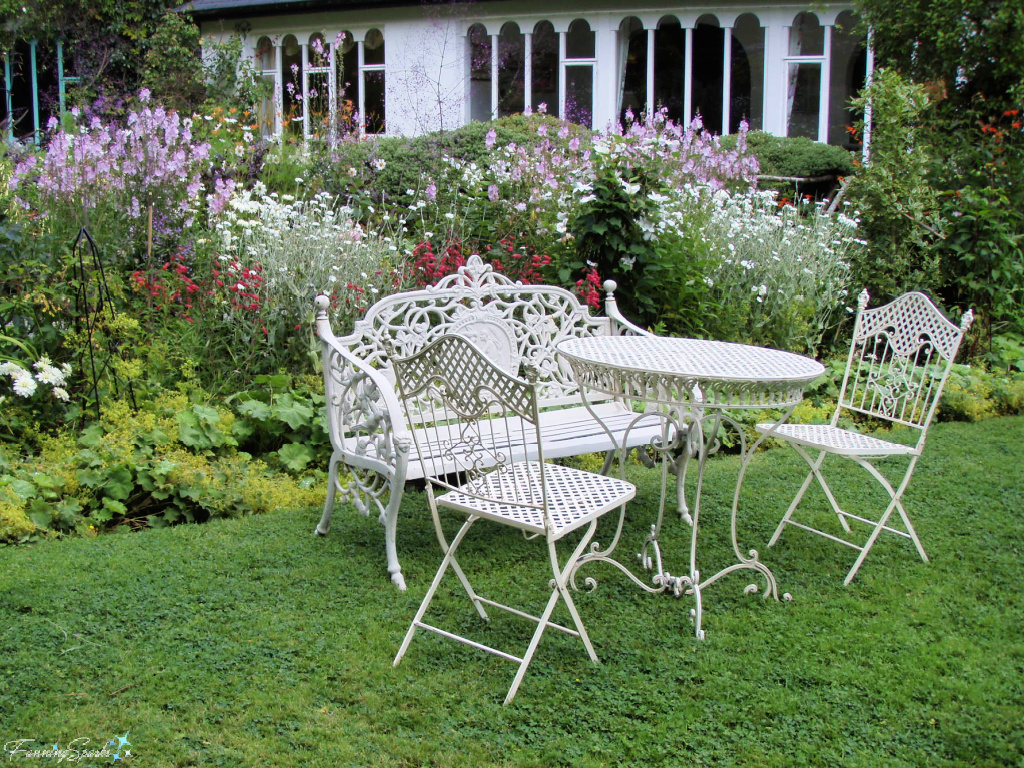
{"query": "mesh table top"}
pixel 663 369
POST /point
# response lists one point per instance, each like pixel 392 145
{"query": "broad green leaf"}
pixel 296 415
pixel 255 409
pixel 206 414
pixel 119 484
pixel 191 432
pixel 24 489
pixel 296 456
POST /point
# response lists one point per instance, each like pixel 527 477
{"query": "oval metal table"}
pixel 689 386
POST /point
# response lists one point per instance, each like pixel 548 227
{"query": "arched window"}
pixel 708 55
pixel 346 59
pixel 632 68
pixel 804 77
pixel 848 71
pixel 480 55
pixel 670 67
pixel 545 69
pixel 511 65
pixel 578 96
pixel 291 81
pixel 372 86
pixel 746 91
pixel 316 85
pixel 265 64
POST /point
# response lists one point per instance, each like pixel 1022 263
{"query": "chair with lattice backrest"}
pixel 477 429
pixel 899 360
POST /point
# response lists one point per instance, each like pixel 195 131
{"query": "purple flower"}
pixel 491 137
pixel 431 191
pixel 492 193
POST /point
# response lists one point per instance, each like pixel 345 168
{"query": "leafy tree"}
pixel 942 199
pixel 969 49
pixel 105 41
pixel 172 69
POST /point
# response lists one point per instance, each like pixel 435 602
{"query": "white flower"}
pixel 61 394
pixel 11 369
pixel 24 386
pixel 378 164
pixel 50 375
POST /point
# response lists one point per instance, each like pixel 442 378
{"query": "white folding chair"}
pixel 898 364
pixel 485 461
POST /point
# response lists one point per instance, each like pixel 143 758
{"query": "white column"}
pixel 605 76
pixel 494 77
pixel 305 91
pixel 360 63
pixel 776 78
pixel 726 77
pixel 332 90
pixel 561 75
pixel 278 90
pixel 650 73
pixel 528 71
pixel 688 79
pixel 826 88
pixel 867 107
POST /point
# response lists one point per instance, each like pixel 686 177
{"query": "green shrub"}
pixel 784 156
pixel 897 204
pixel 385 168
pixel 172 461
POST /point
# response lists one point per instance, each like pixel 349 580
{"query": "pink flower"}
pixel 491 137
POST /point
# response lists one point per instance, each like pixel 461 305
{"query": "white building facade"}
pixel 785 68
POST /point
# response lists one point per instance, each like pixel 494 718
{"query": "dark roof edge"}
pixel 240 10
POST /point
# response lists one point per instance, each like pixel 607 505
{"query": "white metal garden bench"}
pixel 513 324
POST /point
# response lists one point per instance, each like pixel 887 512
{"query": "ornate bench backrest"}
pixel 510 322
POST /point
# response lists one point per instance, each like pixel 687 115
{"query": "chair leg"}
pixel 448 560
pixel 792 507
pixel 459 573
pixel 559 590
pixel 895 504
pixel 324 526
pixel 389 519
pixel 816 469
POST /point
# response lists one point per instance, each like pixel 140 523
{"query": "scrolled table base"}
pixel 689 432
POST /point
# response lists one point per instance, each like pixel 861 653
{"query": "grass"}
pixel 250 642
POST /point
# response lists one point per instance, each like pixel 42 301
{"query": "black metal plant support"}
pixel 93 306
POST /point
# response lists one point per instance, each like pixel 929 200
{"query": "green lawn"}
pixel 250 642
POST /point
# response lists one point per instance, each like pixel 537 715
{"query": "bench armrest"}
pixel 365 419
pixel 620 326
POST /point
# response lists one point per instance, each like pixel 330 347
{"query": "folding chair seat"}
pixel 899 360
pixel 487 463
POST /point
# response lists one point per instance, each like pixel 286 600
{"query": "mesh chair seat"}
pixel 574 497
pixel 835 440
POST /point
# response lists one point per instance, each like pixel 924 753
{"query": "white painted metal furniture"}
pixel 898 364
pixel 483 457
pixel 690 386
pixel 513 324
